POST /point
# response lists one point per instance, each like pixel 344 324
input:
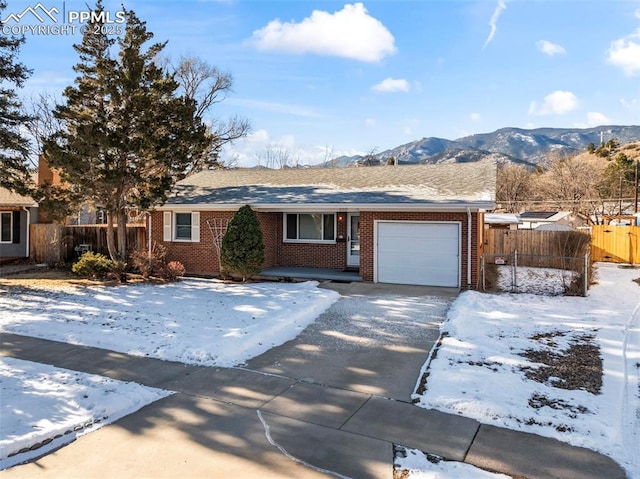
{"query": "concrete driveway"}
pixel 374 340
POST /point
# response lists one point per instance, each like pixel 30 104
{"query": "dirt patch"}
pixel 577 367
pixel 57 279
pixel 422 387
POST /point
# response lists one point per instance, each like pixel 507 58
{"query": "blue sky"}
pixel 325 78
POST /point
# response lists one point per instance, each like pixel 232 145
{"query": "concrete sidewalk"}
pixel 239 422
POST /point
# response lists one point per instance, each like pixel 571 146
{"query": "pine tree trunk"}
pixel 111 240
pixel 122 235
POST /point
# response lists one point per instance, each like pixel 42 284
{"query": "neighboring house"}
pixel 550 220
pixel 419 224
pixel 502 221
pixel 16 213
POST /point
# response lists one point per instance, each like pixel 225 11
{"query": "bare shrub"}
pixel 172 271
pixel 149 263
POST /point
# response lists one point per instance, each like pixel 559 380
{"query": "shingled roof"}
pixel 9 198
pixel 451 184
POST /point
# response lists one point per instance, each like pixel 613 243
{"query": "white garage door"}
pixel 418 253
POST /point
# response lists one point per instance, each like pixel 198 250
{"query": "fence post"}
pixel 586 274
pixel 515 272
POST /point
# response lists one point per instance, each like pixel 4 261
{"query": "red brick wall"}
pixel 201 258
pixel 367 219
pixel 313 255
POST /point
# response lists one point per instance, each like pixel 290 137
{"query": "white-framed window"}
pixel 310 227
pixel 6 226
pixel 181 226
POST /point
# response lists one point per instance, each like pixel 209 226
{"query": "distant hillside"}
pixel 516 145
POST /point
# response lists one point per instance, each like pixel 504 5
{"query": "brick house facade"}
pixel 294 205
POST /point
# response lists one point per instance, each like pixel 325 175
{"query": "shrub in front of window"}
pixel 242 245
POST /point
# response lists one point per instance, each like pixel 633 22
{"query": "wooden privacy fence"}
pixel 615 244
pixel 566 251
pixel 536 242
pixel 52 243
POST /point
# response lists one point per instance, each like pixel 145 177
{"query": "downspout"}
pixel 469 223
pixel 28 229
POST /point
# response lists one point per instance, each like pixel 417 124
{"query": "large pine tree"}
pixel 14 173
pixel 128 136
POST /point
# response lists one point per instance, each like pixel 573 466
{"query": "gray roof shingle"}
pixel 451 183
pixel 9 198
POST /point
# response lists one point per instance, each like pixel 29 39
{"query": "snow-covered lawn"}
pixel 44 407
pixel 193 321
pixel 481 370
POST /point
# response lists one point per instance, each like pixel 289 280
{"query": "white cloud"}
pixel 625 53
pixel 370 122
pixel 594 118
pixel 348 33
pixel 475 116
pixel 254 148
pixel 389 85
pixel 629 104
pixel 258 136
pixel 493 23
pixel 557 103
pixel 549 48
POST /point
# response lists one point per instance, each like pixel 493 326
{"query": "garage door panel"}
pixel 392 243
pixel 426 246
pixel 418 253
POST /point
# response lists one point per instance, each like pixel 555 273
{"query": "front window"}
pixel 183 226
pixel 6 227
pixel 310 227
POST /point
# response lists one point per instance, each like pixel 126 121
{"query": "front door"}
pixel 353 240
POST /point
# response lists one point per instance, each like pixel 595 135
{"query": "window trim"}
pixel 308 241
pixel 170 227
pixel 174 236
pixel 10 213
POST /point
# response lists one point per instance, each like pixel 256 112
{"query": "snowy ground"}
pixel 43 407
pixel 485 337
pixel 193 321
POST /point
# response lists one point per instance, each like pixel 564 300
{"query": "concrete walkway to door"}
pixel 331 402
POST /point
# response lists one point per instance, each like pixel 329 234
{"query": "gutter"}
pixel 460 207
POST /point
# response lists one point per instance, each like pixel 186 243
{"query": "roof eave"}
pixel 480 206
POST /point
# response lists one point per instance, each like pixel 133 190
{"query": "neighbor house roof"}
pixel 502 219
pixel 550 216
pixel 9 198
pixel 451 185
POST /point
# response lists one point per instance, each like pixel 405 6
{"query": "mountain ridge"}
pixel 509 144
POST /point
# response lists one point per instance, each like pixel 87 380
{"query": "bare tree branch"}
pixel 206 85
